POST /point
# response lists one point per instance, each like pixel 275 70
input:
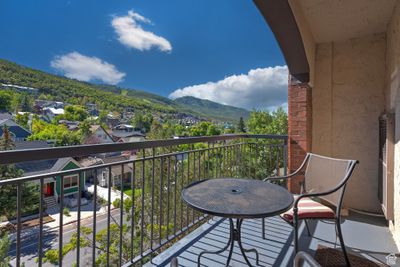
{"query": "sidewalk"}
pixel 103 193
pixel 86 212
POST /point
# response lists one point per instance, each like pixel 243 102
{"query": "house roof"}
pixel 5 116
pixel 30 144
pixel 124 134
pixel 114 159
pixel 131 139
pixel 44 166
pixel 14 128
pixel 92 139
pixel 55 111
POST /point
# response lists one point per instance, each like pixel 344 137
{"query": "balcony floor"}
pixel 364 235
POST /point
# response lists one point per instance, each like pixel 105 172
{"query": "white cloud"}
pixel 262 88
pixel 77 66
pixel 132 35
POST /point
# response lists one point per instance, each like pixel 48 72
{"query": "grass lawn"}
pixel 128 192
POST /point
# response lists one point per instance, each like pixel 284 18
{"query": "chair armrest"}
pixel 302 257
pixel 292 174
pixel 278 177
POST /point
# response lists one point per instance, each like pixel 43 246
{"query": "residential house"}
pixel 71 125
pixel 98 136
pixel 52 185
pixel 6 116
pixel 102 174
pixel 18 132
pixel 50 113
pixel 111 122
pixel 20 88
pixel 92 109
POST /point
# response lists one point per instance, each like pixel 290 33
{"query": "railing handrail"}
pixel 16 156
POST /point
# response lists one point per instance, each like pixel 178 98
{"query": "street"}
pixel 29 241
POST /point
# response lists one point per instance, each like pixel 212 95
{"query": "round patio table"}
pixel 238 199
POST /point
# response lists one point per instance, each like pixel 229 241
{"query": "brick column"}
pixel 299 128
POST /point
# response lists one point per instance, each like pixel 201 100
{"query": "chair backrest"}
pixel 324 174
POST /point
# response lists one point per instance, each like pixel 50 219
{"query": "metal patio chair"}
pixel 325 179
pixel 302 258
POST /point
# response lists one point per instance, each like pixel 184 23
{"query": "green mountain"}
pixel 112 97
pixel 218 111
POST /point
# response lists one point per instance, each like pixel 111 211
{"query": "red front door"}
pixel 49 189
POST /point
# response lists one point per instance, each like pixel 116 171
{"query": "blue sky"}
pixel 219 50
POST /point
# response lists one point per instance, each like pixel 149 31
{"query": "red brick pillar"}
pixel 299 128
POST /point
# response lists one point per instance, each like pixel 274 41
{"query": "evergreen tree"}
pixel 6 142
pixel 8 196
pixel 241 127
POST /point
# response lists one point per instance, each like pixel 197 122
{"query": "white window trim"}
pixel 69 177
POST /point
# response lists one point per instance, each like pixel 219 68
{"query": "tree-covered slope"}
pixel 112 98
pixel 219 111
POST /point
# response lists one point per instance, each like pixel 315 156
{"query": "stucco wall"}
pixel 348 98
pixel 306 35
pixel 392 95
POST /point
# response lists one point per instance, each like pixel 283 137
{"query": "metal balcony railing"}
pixel 153 217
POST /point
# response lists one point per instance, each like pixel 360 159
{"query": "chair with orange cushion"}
pixel 324 179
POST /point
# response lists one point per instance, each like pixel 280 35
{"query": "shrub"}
pixel 117 203
pixel 66 212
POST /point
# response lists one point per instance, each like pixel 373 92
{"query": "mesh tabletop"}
pixel 237 198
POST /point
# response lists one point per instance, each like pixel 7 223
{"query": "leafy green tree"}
pixel 5 101
pixel 279 124
pixel 23 120
pixel 199 129
pixel 241 127
pixel 180 130
pixel 84 127
pixel 24 102
pixel 213 130
pixel 74 113
pixel 4 248
pixel 143 122
pixel 138 121
pixel 263 122
pixel 259 122
pixel 8 196
pixel 59 133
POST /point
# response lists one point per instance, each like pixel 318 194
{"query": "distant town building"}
pixel 51 112
pixel 20 88
pixel 71 125
pixel 98 136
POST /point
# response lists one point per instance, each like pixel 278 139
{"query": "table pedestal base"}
pixel 235 235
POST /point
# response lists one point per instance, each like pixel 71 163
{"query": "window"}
pixel 71 181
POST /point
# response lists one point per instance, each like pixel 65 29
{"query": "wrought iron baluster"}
pixel 152 200
pixel 95 180
pixel 121 215
pixel 60 233
pixel 78 231
pixel 19 208
pixel 40 238
pixel 108 215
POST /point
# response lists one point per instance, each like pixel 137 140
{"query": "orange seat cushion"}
pixel 309 209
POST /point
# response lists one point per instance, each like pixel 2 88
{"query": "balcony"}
pixel 152 225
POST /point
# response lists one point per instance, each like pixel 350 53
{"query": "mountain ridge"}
pixel 111 97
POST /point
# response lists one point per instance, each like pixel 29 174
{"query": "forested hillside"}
pixel 111 98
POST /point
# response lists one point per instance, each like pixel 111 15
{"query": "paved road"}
pixel 29 242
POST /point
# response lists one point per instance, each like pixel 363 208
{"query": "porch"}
pixel 365 236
